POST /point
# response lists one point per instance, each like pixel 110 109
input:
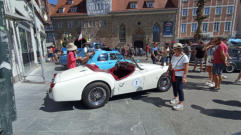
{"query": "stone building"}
pixel 115 22
pixel 221 19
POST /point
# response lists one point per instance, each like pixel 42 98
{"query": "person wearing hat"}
pixel 72 58
pixel 179 69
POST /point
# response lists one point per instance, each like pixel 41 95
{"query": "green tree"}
pixel 200 17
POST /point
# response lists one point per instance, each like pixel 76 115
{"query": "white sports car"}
pixel 95 86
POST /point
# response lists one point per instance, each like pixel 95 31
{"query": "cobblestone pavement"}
pixel 145 113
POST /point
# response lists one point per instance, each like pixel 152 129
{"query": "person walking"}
pixel 154 53
pixel 179 69
pixel 219 62
pixel 188 50
pixel 147 51
pixel 199 55
pixel 164 53
pixel 210 49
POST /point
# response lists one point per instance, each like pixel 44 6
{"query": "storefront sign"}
pixel 168 29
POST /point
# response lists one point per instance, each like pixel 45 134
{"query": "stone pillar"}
pixel 7 99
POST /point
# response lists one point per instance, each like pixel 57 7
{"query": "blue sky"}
pixel 53 1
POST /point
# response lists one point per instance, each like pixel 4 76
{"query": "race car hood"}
pixel 73 73
pixel 150 67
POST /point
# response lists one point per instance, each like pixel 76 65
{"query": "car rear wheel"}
pixel 96 95
pixel 230 68
pixel 164 84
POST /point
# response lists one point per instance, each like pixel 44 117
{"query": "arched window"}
pixel 122 34
pixel 156 33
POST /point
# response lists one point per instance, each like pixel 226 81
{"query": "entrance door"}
pixel 27 49
pixel 138 44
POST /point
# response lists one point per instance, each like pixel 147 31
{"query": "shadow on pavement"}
pixel 196 76
pixel 227 82
pixel 219 113
pixel 157 101
pixel 196 86
pixel 130 95
pixel 230 102
pixel 51 106
pixel 60 68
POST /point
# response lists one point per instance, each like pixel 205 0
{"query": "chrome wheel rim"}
pixel 164 83
pixel 97 96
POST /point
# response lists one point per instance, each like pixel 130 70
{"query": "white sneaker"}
pixel 174 101
pixel 178 107
pixel 224 77
pixel 211 85
pixel 207 83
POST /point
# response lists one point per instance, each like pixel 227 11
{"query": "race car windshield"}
pixel 119 57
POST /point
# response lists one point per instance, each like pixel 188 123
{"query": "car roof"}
pixel 103 51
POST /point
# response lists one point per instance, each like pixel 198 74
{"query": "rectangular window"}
pixel 133 5
pixel 227 26
pixel 184 12
pixel 184 28
pixel 60 25
pixel 185 0
pixel 206 11
pixel 70 24
pixel 218 11
pixel 150 4
pixel 216 27
pixel 229 10
pixel 194 12
pixel 60 10
pixel 69 2
pixel 73 9
pixel 205 27
pixel 194 27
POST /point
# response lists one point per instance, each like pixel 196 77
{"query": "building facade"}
pixel 25 23
pixel 221 19
pixel 116 23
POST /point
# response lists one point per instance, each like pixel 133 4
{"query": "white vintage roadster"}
pixel 95 86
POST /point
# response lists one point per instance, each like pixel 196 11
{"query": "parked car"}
pixel 235 62
pixel 103 59
pixel 95 86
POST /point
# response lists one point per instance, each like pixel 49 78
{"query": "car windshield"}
pixel 119 57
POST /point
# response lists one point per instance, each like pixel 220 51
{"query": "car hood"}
pixel 150 67
pixel 73 73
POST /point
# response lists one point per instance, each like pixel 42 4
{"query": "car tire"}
pixel 230 68
pixel 164 84
pixel 95 95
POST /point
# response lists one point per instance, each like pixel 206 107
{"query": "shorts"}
pixel 218 69
pixel 198 60
pixel 209 61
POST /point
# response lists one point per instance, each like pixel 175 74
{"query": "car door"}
pixel 132 83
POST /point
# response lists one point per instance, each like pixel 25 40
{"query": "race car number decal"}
pixel 136 82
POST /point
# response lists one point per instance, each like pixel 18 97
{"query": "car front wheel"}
pixel 96 95
pixel 230 68
pixel 164 83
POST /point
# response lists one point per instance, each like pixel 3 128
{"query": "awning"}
pixel 16 17
pixel 49 44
